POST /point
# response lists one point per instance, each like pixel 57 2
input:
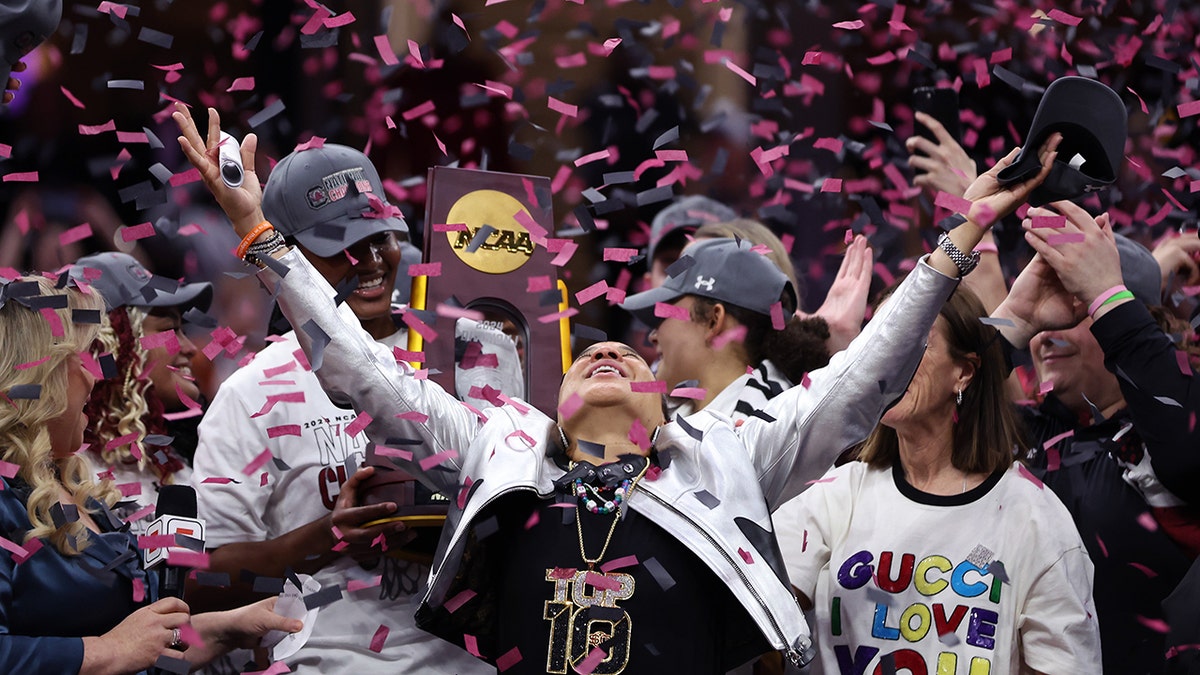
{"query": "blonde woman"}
pixel 149 375
pixel 65 549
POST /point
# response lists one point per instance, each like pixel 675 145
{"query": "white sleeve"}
pixel 356 368
pixel 1058 628
pixel 802 527
pixel 233 510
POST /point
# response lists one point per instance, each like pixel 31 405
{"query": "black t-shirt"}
pixel 667 612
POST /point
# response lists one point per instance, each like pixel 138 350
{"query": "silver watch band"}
pixel 965 263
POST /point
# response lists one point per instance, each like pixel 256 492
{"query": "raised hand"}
pixel 13 84
pixel 243 205
pixel 1037 302
pixel 945 166
pixel 991 201
pixel 1177 256
pixel 1086 268
pixel 846 303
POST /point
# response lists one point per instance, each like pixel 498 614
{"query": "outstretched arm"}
pixel 353 366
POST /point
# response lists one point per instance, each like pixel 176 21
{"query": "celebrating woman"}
pixel 612 541
pixel 935 548
pixel 66 551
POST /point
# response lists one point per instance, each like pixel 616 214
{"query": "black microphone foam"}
pixel 176 500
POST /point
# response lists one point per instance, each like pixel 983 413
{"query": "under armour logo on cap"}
pixel 707 285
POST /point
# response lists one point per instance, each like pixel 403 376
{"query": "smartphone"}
pixel 940 103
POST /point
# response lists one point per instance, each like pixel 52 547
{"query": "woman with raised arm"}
pixel 611 541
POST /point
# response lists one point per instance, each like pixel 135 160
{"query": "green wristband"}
pixel 1123 295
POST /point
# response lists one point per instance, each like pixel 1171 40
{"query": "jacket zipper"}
pixel 794 656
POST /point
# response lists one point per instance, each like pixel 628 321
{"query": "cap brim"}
pixel 641 305
pixel 198 295
pixel 353 230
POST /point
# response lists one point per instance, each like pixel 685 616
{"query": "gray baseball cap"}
pixel 686 214
pixel 1140 271
pixel 24 24
pixel 725 270
pixel 322 197
pixel 124 282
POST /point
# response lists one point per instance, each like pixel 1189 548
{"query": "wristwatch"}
pixel 965 263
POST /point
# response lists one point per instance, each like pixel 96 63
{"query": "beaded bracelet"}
pixel 251 236
pixel 1105 297
pixel 269 245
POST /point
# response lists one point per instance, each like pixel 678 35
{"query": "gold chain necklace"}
pixel 591 562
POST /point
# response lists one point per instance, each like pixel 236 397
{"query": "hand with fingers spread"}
pixel 944 165
pixel 136 643
pixel 1177 257
pixel 1037 302
pixel 243 205
pixel 991 201
pixel 350 522
pixel 13 84
pixel 846 303
pixel 1086 268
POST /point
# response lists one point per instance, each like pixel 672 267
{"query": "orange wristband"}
pixel 254 234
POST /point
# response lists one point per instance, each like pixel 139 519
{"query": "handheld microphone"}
pixel 231 161
pixel 175 515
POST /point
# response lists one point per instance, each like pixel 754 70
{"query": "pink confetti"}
pixel 359 585
pixel 1150 574
pixel 1029 476
pixel 952 202
pixel 619 563
pixel 611 44
pixel 746 556
pixel 595 156
pixel 1147 521
pixel 831 185
pixel 420 327
pixel 454 604
pixel 569 407
pixel 257 463
pixel 55 321
pixel 77 233
pixel 92 130
pixel 139 591
pixel 1189 109
pixel 589 662
pixel 695 393
pixel 274 399
pixel 850 25
pixel 558 316
pixel 385 50
pixel 564 108
pixel 777 320
pixel 471 645
pixel 651 387
pixel 385 451
pixel 735 334
pixel 1054 440
pixel 740 72
pixel 186 558
pixel 35 364
pixel 283 430
pixel 71 97
pixel 135 232
pixel 8 469
pixel 619 254
pixel 440 458
pixel 155 541
pixel 510 658
pixel 1065 238
pixel 355 428
pixel 1055 222
pixel 1156 625
pixel 602 582
pixel 413 416
pixel 665 310
pixel 417 111
pixel 1181 359
pixel 141 513
pixel 1064 18
pixel 592 292
pixel 242 84
pixel 377 640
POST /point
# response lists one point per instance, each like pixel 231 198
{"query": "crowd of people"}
pixel 969 475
